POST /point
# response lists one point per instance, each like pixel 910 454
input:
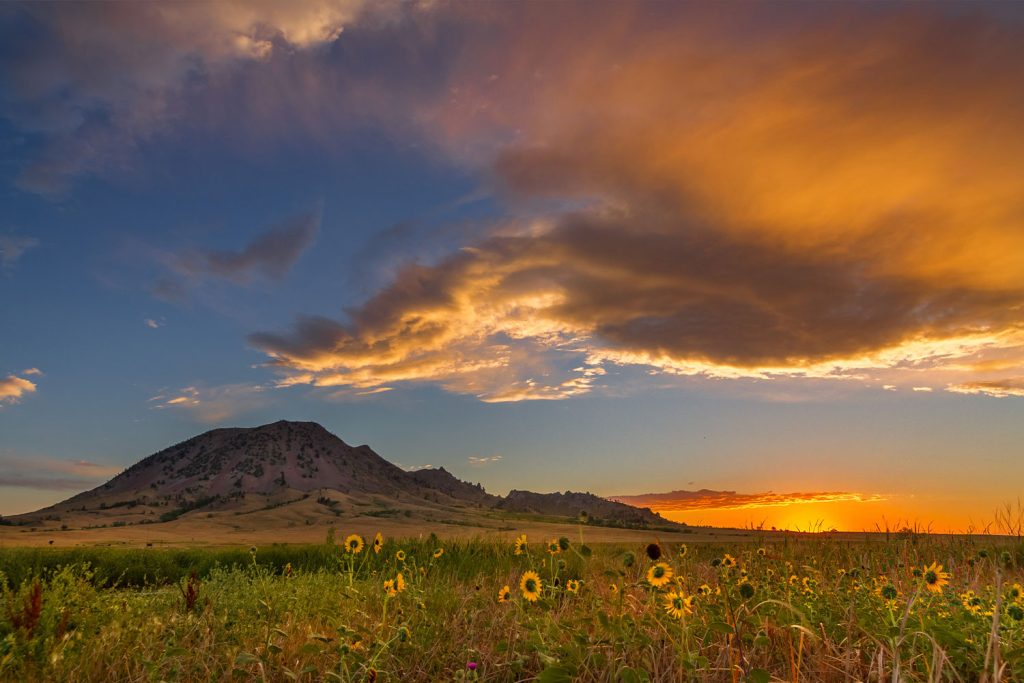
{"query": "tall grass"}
pixel 808 610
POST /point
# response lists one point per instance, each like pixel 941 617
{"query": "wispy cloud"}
pixel 730 500
pixel 481 461
pixel 212 404
pixel 12 248
pixel 134 67
pixel 13 388
pixel 152 324
pixel 52 474
pixel 414 468
pixel 999 388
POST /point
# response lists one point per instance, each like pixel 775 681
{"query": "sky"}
pixel 764 261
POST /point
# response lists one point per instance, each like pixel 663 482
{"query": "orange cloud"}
pixel 677 501
pixel 794 205
pixel 13 388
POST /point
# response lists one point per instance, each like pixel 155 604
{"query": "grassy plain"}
pixel 755 608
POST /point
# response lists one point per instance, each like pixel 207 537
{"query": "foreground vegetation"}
pixel 799 609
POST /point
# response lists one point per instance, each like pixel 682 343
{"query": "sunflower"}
pixel 682 550
pixel 354 544
pixel 389 588
pixel 399 582
pixel 438 553
pixel 553 547
pixel 1016 593
pixel 530 585
pixel 572 585
pixel 613 589
pixel 728 560
pixel 704 589
pixel 505 594
pixel 400 556
pixel 762 552
pixel 378 543
pixel 934 577
pixel 678 605
pixel 659 575
pixel 520 544
pixel 653 551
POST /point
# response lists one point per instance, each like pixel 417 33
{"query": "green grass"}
pixel 808 610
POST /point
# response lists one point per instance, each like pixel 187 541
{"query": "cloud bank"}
pixel 704 499
pixel 721 191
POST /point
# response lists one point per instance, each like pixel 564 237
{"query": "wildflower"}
pixel 520 545
pixel 935 578
pixel 677 605
pixel 653 551
pixel 746 590
pixel 563 543
pixel 399 582
pixel 659 574
pixel 288 569
pixel 613 589
pixel 584 517
pixel 354 544
pixel 400 556
pixel 971 602
pixel 252 550
pixel 888 591
pixel 628 560
pixel 530 585
pixel 404 634
pixel 572 585
pixel 471 666
pixel 704 589
pixel 683 550
pixel 505 594
pixel 438 553
pixel 553 548
pixel 716 562
pixel 762 552
pixel 378 543
pixel 1016 593
pixel 389 588
pixel 728 560
pixel 1016 612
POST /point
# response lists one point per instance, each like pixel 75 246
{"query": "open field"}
pixel 767 608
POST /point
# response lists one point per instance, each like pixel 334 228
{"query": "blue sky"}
pixel 639 249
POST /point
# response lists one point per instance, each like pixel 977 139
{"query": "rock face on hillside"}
pixel 570 504
pixel 300 464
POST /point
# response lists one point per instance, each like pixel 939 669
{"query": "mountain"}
pixel 300 470
pixel 570 504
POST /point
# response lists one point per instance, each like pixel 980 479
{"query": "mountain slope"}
pixel 301 472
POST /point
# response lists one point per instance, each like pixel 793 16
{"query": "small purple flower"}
pixel 471 666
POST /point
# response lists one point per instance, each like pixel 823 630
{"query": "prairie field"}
pixel 355 608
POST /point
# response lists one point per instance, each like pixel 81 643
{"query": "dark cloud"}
pixel 270 255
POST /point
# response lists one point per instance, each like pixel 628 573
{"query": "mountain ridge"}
pixel 240 470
